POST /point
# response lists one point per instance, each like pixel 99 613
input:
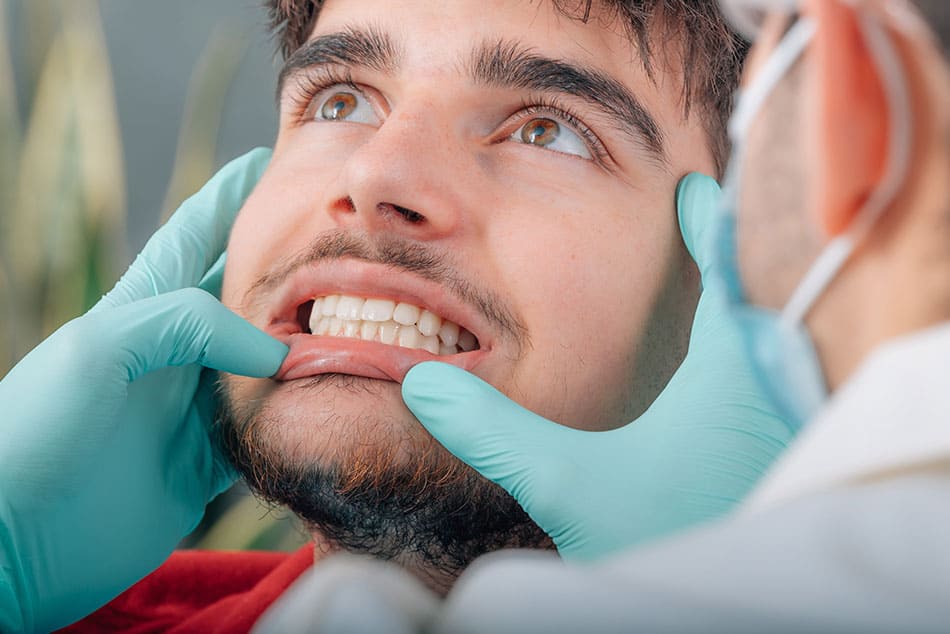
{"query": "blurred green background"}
pixel 111 113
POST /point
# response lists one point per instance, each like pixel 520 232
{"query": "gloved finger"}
pixel 503 441
pixel 214 278
pixel 182 251
pixel 183 327
pixel 697 200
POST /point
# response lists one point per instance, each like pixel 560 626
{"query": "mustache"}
pixel 399 255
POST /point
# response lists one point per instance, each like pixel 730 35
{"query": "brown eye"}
pixel 551 135
pixel 540 132
pixel 339 106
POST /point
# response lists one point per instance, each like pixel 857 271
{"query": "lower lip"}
pixel 311 355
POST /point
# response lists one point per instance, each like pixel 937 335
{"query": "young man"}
pixel 508 173
pixel 491 186
pixel 837 215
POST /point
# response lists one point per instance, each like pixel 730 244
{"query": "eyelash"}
pixel 550 106
pixel 308 85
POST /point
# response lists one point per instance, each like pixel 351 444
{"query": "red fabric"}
pixel 200 591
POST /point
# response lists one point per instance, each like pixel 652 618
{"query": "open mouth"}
pixel 384 321
pixel 350 317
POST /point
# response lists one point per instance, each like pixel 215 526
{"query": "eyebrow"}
pixel 365 48
pixel 507 64
pixel 502 64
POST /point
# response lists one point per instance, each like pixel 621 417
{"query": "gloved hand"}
pixel 106 461
pixel 691 456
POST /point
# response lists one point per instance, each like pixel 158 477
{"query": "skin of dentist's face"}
pixel 774 244
pixel 584 252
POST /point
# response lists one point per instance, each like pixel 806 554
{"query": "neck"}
pixel 438 580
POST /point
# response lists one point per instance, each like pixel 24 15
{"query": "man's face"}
pixel 502 166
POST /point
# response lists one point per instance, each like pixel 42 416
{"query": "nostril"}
pixel 344 205
pixel 303 316
pixel 409 214
pixel 412 216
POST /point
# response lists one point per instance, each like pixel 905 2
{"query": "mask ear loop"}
pixel 826 266
pixel 745 16
pixel 751 100
pixel 749 103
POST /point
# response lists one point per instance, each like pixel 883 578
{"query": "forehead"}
pixel 439 37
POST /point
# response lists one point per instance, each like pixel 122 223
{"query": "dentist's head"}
pixel 838 185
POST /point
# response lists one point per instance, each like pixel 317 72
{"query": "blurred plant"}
pixel 207 93
pixel 63 205
pixel 63 200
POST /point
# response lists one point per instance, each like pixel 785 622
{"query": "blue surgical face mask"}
pixel 778 342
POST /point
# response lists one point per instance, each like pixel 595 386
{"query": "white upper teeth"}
pixel 406 314
pixel 388 322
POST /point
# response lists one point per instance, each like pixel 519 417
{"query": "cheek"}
pixel 279 218
pixel 244 255
pixel 585 279
pixel 254 245
pixel 773 245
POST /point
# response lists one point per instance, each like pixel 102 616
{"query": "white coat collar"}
pixel 892 416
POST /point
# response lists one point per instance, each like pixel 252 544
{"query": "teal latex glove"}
pixel 690 457
pixel 106 461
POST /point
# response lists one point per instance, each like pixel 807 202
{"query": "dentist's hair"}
pixel 937 15
pixel 710 54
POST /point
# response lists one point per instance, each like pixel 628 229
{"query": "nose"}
pixel 405 178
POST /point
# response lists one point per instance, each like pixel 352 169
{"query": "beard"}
pixel 374 482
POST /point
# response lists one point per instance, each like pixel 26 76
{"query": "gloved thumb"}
pixel 184 327
pixel 503 441
pixel 697 203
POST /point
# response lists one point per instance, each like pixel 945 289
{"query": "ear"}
pixel 845 117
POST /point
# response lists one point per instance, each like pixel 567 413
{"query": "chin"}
pixel 327 418
pixel 346 456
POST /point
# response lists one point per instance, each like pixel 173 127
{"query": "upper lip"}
pixel 353 277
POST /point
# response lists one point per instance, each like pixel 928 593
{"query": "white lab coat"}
pixel 849 532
